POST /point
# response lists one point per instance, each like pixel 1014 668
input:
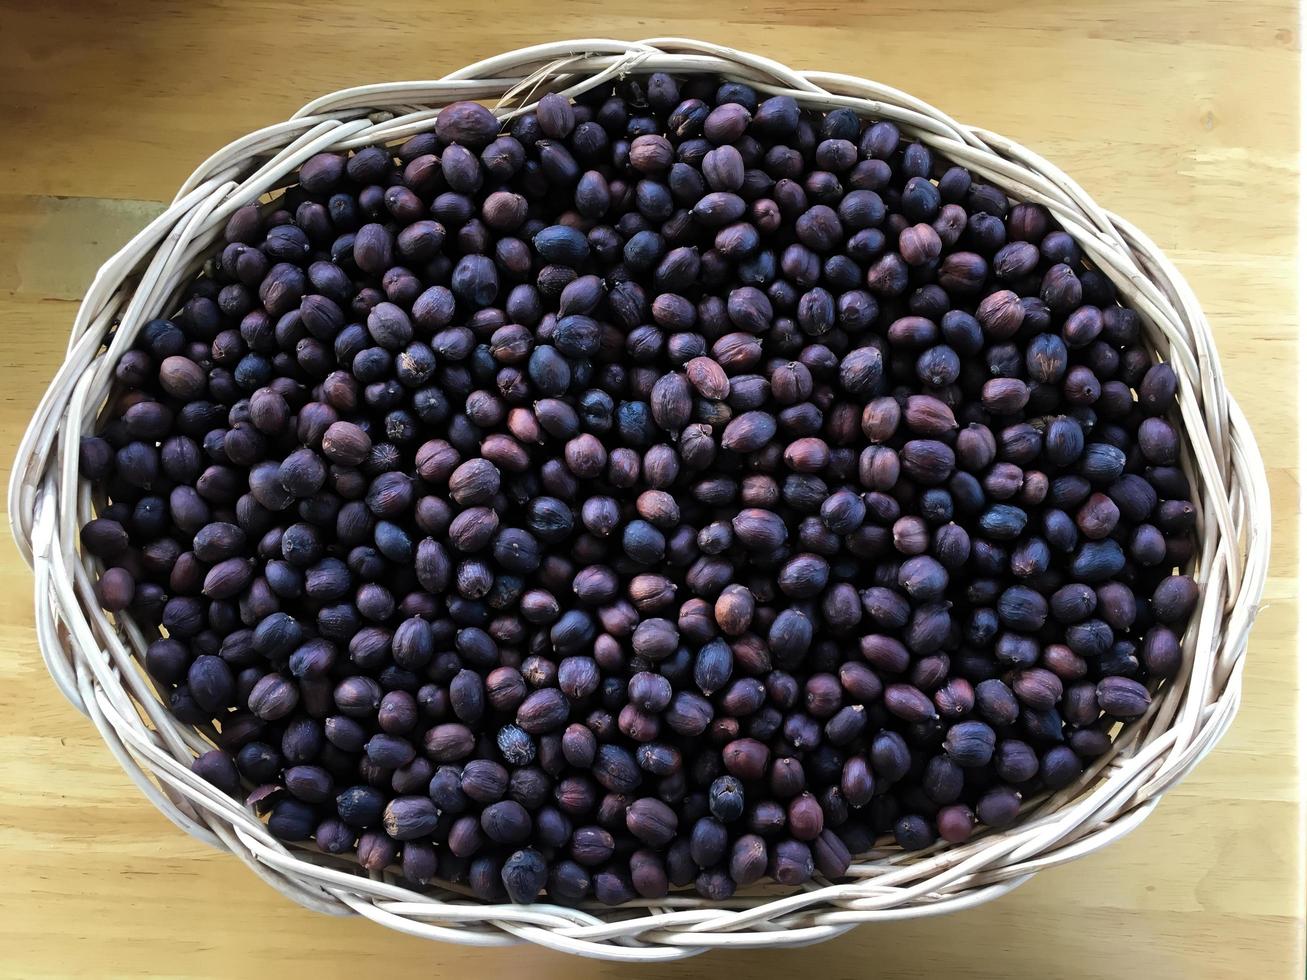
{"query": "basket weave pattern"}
pixel 95 660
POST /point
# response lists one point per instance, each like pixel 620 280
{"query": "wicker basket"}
pixel 95 660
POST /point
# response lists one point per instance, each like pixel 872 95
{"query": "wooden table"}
pixel 1182 116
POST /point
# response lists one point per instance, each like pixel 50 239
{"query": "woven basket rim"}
pixel 95 661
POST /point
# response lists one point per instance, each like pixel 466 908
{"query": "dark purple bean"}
pixel 760 531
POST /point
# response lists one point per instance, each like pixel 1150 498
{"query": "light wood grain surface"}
pixel 1181 115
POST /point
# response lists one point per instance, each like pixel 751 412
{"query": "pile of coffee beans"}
pixel 672 487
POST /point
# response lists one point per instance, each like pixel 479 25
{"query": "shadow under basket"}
pixel 96 660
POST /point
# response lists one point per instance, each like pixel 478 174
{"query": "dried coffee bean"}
pixel 582 446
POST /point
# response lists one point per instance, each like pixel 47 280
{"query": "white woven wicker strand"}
pixel 95 660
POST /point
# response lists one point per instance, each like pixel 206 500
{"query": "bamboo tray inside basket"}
pixel 95 660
